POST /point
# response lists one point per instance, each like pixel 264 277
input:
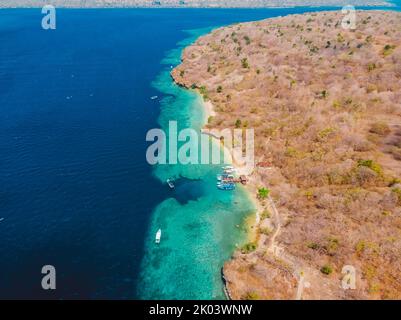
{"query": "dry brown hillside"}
pixel 325 103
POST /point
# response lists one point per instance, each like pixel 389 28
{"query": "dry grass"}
pixel 328 100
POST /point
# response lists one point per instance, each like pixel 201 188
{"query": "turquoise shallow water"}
pixel 76 189
pixel 197 235
pixel 200 234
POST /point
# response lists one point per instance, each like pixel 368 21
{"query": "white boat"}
pixel 170 183
pixel 154 97
pixel 1 219
pixel 229 171
pixel 158 236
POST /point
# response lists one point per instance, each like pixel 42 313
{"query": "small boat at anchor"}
pixel 153 97
pixel 229 170
pixel 225 177
pixel 225 186
pixel 170 183
pixel 1 219
pixel 158 235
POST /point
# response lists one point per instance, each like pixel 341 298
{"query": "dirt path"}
pixel 278 252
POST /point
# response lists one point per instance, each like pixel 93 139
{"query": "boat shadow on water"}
pixel 185 190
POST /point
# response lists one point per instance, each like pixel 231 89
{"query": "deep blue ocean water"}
pixel 75 189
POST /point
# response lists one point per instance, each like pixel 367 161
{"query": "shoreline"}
pixel 301 152
pixel 251 186
pixel 252 221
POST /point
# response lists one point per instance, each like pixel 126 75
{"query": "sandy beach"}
pixel 253 182
pixel 209 110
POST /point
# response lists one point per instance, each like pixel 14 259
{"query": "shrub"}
pixel 371 66
pixel 313 246
pixel 324 94
pixel 245 63
pixel 368 39
pixel 251 296
pixel 332 244
pixel 393 181
pixel 308 194
pixel 372 165
pixel 247 40
pixel 380 128
pixel 323 134
pixel 388 49
pixel 291 152
pixel 360 247
pixel 340 38
pixel 219 89
pixel 265 215
pixel 336 104
pixel 265 231
pixel 203 92
pixel 363 245
pixel 238 123
pixel 249 247
pixel 326 269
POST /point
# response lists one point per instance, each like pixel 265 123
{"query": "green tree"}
pixel 263 193
pixel 238 123
pixel 249 247
pixel 245 63
pixel 326 269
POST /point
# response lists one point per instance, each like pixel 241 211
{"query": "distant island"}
pixel 325 104
pixel 188 3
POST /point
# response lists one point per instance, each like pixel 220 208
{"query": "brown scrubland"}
pixel 325 104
